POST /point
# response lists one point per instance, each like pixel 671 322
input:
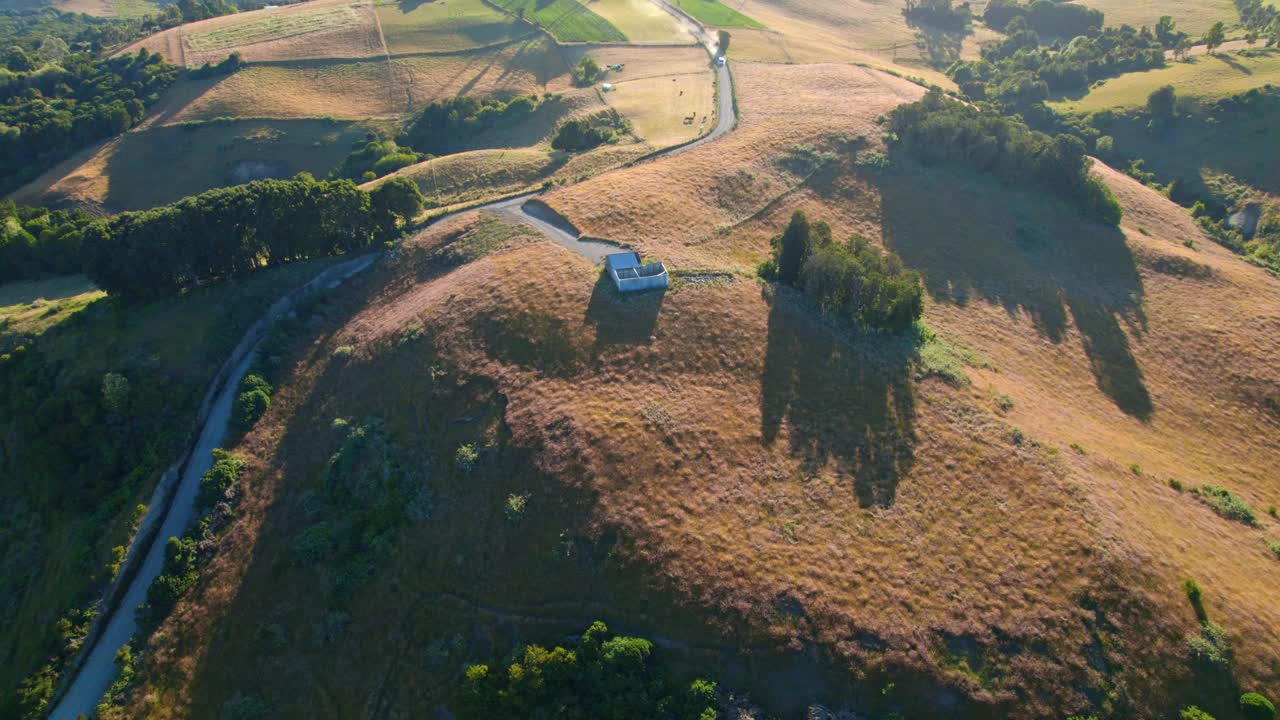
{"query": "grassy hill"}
pixel 1201 77
pixel 810 512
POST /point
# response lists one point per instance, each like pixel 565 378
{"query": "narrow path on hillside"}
pixel 96 669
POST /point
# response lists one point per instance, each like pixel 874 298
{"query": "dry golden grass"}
pixel 1193 16
pixel 96 8
pixel 862 31
pixel 412 27
pixel 642 21
pixel 798 487
pixel 657 89
pixel 322 29
pixel 161 164
pixel 680 206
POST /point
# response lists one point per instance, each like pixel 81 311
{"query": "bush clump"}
pixel 852 281
pixel 604 676
pixel 1257 707
pixel 580 134
pixel 1210 647
pixel 1228 504
pixel 252 402
pixel 219 479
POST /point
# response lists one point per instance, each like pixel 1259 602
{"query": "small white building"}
pixel 631 275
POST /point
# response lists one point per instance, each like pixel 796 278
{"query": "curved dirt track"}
pixel 97 670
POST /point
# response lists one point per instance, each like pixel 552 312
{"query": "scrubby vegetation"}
pixel 376 158
pixel 851 281
pixel 1019 71
pixel 446 126
pixel 230 231
pixel 371 488
pixel 580 134
pixel 49 112
pixel 586 72
pixel 604 677
pixel 937 129
pixel 1228 504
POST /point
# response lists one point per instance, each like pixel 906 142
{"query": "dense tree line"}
pixel 852 281
pixel 35 241
pixel 230 231
pixel 1050 18
pixel 602 677
pixel 445 126
pixel 50 112
pixel 936 129
pixel 1019 71
pixel 939 13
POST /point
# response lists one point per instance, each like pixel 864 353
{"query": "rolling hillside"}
pixel 1005 541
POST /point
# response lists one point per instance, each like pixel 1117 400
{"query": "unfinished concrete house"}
pixel 630 275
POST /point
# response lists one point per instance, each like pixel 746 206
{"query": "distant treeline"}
pixel 936 129
pixel 229 231
pixel 1018 71
pixel 50 112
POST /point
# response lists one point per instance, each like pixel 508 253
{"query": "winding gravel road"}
pixel 97 671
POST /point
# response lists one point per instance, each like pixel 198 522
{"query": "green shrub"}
pixel 1228 504
pixel 1175 484
pixel 516 505
pixel 1210 647
pixel 579 134
pixel 178 576
pixel 586 72
pixel 1004 403
pixel 1192 588
pixel 249 407
pixel 1257 707
pixel 219 478
pixel 1274 547
pixel 314 544
pixel 466 457
pixel 1194 713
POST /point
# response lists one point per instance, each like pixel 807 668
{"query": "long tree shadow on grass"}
pixel 973 238
pixel 846 400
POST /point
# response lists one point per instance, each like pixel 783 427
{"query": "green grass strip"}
pixel 714 12
pixel 566 20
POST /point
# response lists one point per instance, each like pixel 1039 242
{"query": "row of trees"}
pixel 602 677
pixel 230 231
pixel 936 129
pixel 852 281
pixel 50 112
